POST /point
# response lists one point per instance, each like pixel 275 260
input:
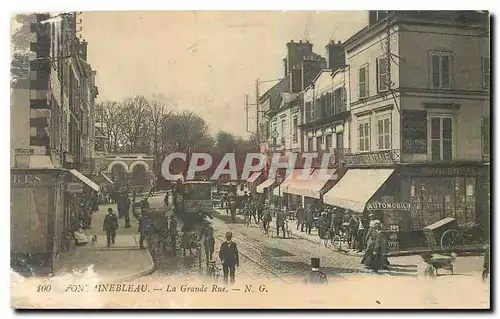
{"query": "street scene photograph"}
pixel 250 159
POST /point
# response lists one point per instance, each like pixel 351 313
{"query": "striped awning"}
pixel 85 180
pixel 312 187
pixel 265 184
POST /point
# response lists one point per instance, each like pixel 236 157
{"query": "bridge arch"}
pixel 146 166
pixel 110 166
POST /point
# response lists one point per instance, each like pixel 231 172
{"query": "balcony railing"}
pixel 339 153
pixel 371 158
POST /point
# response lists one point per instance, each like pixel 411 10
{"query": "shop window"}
pixel 435 198
pixel 441 138
pixel 384 134
pixel 364 136
pixel 441 69
pixel 363 82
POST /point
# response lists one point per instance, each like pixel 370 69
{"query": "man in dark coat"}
pixel 308 219
pixel 172 229
pixel 142 230
pixel 280 223
pixel 229 257
pixel 110 225
pixel 300 218
pixel 315 276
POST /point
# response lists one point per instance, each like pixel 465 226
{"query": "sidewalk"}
pixel 314 238
pixel 123 261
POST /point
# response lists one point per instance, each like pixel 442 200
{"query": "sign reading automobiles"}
pixel 388 206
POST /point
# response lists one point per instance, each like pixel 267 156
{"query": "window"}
pixel 282 129
pixel 313 111
pixel 363 82
pixel 310 143
pixel 485 134
pixel 364 136
pixel 486 73
pixel 384 134
pixel 441 70
pixel 441 133
pixel 319 141
pixel 329 104
pixel 328 142
pixel 308 111
pixel 295 128
pixel 382 74
pixel 319 108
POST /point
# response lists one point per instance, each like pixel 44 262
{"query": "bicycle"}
pixel 332 239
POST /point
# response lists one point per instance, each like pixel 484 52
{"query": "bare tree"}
pixel 133 116
pixel 106 114
pixel 159 112
pixel 186 132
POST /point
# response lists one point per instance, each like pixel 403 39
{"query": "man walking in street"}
pixel 309 220
pixel 300 218
pixel 172 229
pixel 229 257
pixel 110 225
pixel 280 223
pixel 142 230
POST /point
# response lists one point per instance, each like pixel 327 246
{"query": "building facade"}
pixel 52 95
pixel 420 116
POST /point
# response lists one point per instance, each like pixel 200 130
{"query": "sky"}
pixel 204 61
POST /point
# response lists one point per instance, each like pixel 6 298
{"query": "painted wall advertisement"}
pixel 395 215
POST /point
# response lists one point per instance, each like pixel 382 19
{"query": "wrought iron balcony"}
pixel 371 158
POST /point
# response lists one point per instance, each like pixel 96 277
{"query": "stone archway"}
pixel 139 174
pixel 118 173
pixel 134 164
pixel 114 163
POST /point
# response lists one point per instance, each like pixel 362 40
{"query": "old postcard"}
pixel 250 159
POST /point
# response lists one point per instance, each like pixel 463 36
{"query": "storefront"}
pixel 265 188
pixel 38 220
pixel 310 192
pixel 252 181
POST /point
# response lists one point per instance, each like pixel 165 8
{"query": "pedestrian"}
pixel 142 230
pixel 486 263
pixel 260 210
pixel 229 257
pixel 110 225
pixel 353 231
pixel 300 218
pixel 315 276
pixel 126 211
pixel 165 200
pixel 232 206
pixel 308 219
pixel 374 252
pixel 360 234
pixel 280 223
pixel 172 229
pixel 209 242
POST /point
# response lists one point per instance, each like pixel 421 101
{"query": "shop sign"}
pixel 24 151
pixel 388 206
pixel 26 179
pixel 74 188
pixel 382 157
pixel 414 132
pixel 446 171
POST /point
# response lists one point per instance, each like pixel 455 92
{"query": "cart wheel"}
pixel 337 243
pixel 452 238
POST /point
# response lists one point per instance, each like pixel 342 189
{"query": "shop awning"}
pixel 254 177
pixel 85 180
pixel 294 178
pixel 356 188
pixel 107 178
pixel 312 187
pixel 265 184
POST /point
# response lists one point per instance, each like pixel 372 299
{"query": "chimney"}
pixel 335 54
pixel 82 50
pixel 285 67
pixel 296 53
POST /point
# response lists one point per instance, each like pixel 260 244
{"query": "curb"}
pixel 141 273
